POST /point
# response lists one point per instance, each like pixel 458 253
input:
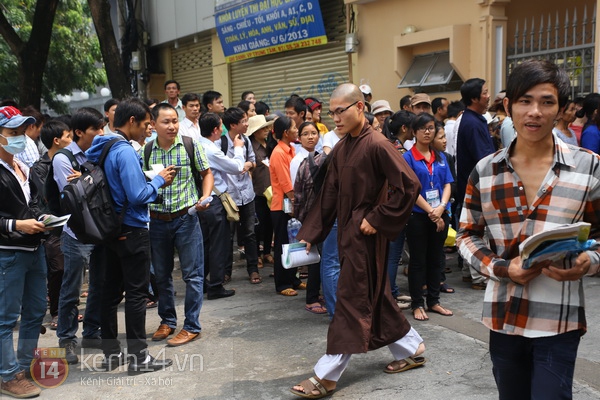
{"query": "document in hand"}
pixel 52 221
pixel 294 255
pixel 557 244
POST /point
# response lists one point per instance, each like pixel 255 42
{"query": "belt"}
pixel 167 216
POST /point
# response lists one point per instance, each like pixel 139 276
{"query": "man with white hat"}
pixel 23 277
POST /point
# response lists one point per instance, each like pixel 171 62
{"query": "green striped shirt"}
pixel 182 193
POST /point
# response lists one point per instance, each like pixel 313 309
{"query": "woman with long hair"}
pixel 428 225
pixel 285 132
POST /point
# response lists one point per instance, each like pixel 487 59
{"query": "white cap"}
pixel 366 89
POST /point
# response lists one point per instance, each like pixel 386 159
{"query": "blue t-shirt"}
pixel 433 176
pixel 590 138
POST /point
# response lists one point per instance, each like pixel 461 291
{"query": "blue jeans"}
pixel 330 269
pixel 534 368
pixel 185 235
pixel 77 255
pixel 394 257
pixel 23 293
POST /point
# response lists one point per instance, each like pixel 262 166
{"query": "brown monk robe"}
pixel 356 187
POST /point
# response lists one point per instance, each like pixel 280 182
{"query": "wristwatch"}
pixel 443 204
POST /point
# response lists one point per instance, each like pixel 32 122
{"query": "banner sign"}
pixel 261 27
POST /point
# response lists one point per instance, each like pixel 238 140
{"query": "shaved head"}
pixel 348 92
pixel 347 105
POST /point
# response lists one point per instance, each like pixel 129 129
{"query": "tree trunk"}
pixel 117 81
pixel 33 55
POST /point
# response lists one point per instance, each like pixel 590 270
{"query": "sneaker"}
pixel 20 387
pixel 70 355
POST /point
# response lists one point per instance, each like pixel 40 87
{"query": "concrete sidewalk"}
pixel 257 344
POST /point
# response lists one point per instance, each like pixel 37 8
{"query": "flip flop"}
pixel 316 309
pixel 444 288
pixel 255 278
pixel 410 363
pixel 430 309
pixel 288 292
pixel 310 385
pixel 421 310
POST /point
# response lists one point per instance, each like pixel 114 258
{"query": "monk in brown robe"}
pixel 371 190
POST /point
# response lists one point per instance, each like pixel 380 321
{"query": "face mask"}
pixel 15 145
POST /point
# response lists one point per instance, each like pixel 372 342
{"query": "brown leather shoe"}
pixel 162 332
pixel 183 337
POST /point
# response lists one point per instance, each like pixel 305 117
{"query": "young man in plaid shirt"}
pixel 171 226
pixel 536 316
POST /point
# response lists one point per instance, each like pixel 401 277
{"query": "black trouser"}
pixel 218 256
pixel 264 229
pixel 284 278
pixel 424 267
pixel 56 267
pixel 127 269
pixel 248 237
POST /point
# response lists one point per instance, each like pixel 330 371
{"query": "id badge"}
pixel 433 197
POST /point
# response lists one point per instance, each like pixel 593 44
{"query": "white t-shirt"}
pixel 330 139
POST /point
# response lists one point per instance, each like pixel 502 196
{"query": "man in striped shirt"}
pixel 536 316
pixel 171 226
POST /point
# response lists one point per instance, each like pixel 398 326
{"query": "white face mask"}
pixel 15 145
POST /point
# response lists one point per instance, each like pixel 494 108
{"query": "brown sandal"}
pixel 255 278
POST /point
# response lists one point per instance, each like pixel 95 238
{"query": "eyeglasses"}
pixel 427 129
pixel 340 111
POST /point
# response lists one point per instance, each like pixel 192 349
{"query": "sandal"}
pixel 268 259
pixel 421 312
pixel 255 278
pixel 316 309
pixel 151 304
pixel 288 292
pixel 404 364
pixel 259 263
pixel 309 387
pixel 444 288
pixel 441 310
pixel 301 286
pixel 54 323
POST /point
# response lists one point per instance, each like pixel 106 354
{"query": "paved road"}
pixel 257 344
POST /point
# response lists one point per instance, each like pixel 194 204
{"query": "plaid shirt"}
pixel 495 206
pixel 182 193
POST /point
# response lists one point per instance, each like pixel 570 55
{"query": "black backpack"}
pixel 88 200
pixel 225 145
pixel 42 175
pixel 188 144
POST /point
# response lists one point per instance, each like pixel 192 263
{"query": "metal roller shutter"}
pixel 192 65
pixel 314 71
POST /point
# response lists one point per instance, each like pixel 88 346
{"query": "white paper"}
pixel 294 255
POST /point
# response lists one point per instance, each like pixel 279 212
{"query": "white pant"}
pixel 331 366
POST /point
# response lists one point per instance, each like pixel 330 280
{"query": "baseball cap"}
pixel 380 106
pixel 419 98
pixel 11 117
pixel 257 122
pixel 312 103
pixel 366 89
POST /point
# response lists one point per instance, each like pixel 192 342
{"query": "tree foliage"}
pixel 74 58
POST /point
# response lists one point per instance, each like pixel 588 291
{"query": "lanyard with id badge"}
pixel 432 195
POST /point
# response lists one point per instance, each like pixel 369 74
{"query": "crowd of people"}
pixel 192 176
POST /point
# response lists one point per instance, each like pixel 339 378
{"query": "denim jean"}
pixel 76 256
pixel 23 293
pixel 185 235
pixel 394 257
pixel 534 368
pixel 467 270
pixel 330 269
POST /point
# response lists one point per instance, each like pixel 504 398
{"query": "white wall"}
pixel 170 20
